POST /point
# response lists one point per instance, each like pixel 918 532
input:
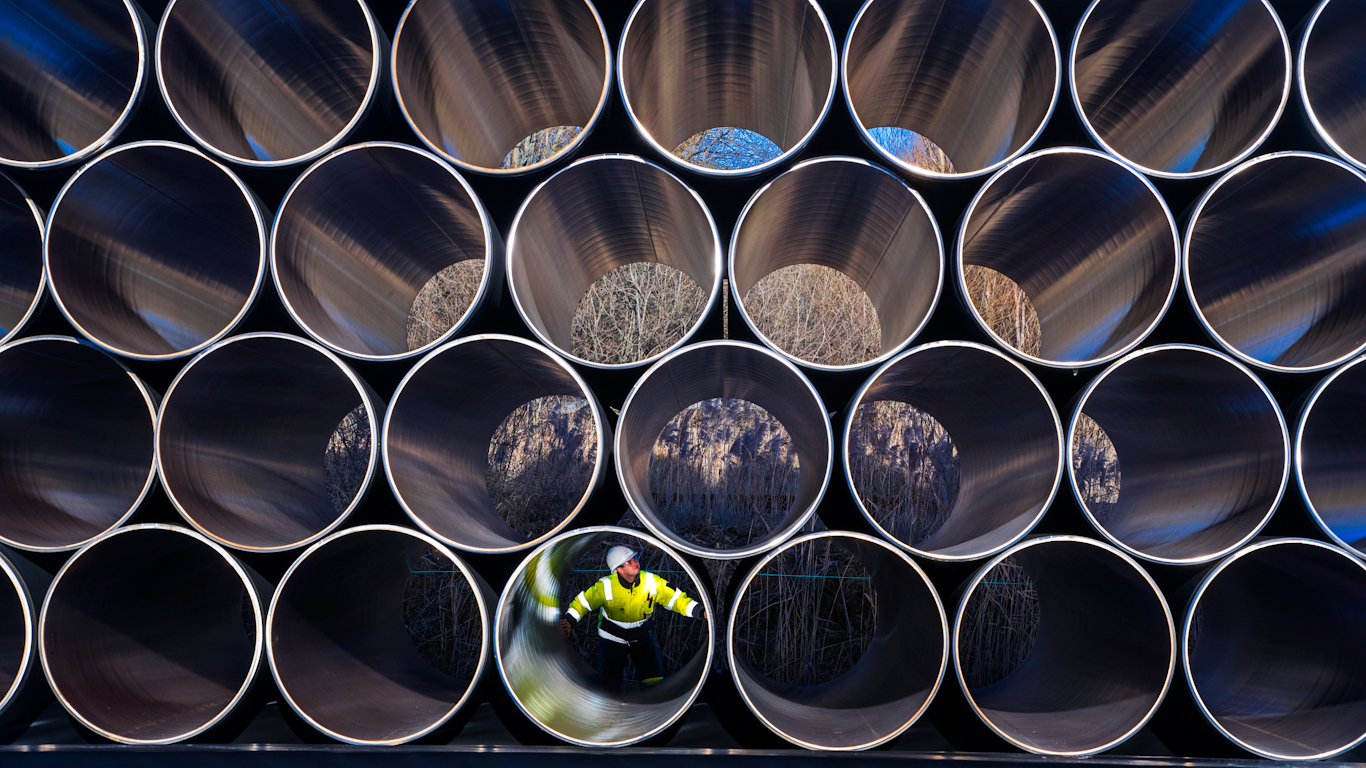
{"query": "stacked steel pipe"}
pixel 240 205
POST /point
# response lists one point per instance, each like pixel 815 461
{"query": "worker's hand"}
pixel 704 614
pixel 566 628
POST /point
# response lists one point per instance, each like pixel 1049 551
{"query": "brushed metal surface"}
pixel 22 689
pixel 1332 76
pixel 23 281
pixel 1330 446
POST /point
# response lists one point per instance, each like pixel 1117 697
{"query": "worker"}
pixel 628 597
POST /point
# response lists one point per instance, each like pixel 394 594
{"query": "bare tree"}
pixel 634 312
pixel 540 462
pixel 816 314
pixel 912 148
pixel 443 301
pixel 1095 464
pixel 1004 307
pixel 727 149
pixel 904 467
pixel 541 146
pixel 346 458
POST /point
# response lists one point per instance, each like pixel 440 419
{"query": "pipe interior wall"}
pixel 442 419
pixel 474 79
pixel 151 635
pixel 269 82
pixel 1332 72
pixel 154 250
pixel 339 646
pixel 76 443
pixel 21 258
pixel 1102 658
pixel 1088 240
pixel 852 217
pixel 73 72
pixel 1202 449
pixel 1276 261
pixel 1329 452
pixel 1181 89
pixel 18 635
pixel 1006 433
pixel 548 679
pixel 363 231
pixel 893 681
pixel 978 80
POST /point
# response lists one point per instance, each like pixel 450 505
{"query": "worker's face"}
pixel 629 569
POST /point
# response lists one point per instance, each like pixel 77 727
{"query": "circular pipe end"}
pixel 1331 71
pixel 18 634
pixel 1329 450
pixel 23 281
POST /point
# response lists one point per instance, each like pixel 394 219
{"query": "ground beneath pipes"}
pixel 816 314
pixel 904 467
pixel 635 312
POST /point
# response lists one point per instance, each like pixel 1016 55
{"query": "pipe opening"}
pixel 836 263
pixel 76 443
pixel 548 675
pixel 953 451
pixel 1273 650
pixel 264 442
pixel 73 75
pixel 1069 257
pixel 492 444
pixel 268 82
pixel 155 251
pixel 727 86
pixel 1086 653
pixel 1180 88
pixel 837 641
pixel 608 223
pixel 1276 262
pixel 732 521
pixel 142 635
pixel 383 215
pixel 21 257
pixel 501 86
pixel 356 635
pixel 944 88
pixel 16 633
pixel 1332 73
pixel 1203 447
pixel 1330 452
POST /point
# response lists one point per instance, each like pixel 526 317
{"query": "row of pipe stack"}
pixel 1165 610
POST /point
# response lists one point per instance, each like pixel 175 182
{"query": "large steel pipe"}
pixel 380 214
pixel 894 679
pixel 1332 77
pixel 475 80
pixel 339 647
pixel 548 679
pixel 1271 655
pixel 270 82
pixel 22 589
pixel 154 251
pixel 245 436
pixel 766 67
pixel 152 634
pixel 71 74
pixel 1276 261
pixel 853 217
pixel 732 370
pixel 1099 660
pixel 951 90
pixel 1330 448
pixel 76 443
pixel 598 214
pixel 1088 240
pixel 439 426
pixel 1202 448
pixel 1180 88
pixel 22 278
pixel 1003 427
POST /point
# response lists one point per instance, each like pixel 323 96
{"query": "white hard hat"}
pixel 618 556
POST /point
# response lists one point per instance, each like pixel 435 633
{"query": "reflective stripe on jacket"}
pixel 626 608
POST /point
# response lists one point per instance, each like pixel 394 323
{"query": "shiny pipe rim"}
pixel 1301 428
pixel 40 292
pixel 1317 121
pixel 27 606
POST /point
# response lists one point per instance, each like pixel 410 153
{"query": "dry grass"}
pixel 1095 464
pixel 809 616
pixel 904 467
pixel 541 462
pixel 911 148
pixel 1005 308
pixel 442 616
pixel 634 312
pixel 443 301
pixel 816 314
pixel 1000 624
pixel 346 458
pixel 541 146
pixel 727 149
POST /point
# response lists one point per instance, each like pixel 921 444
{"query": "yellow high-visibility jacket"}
pixel 628 608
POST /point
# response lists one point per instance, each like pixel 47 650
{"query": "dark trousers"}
pixel 642 651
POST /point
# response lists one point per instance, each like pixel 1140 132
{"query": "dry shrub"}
pixel 634 312
pixel 809 616
pixel 346 458
pixel 723 473
pixel 442 616
pixel 443 301
pixel 1000 624
pixel 816 314
pixel 541 146
pixel 1005 308
pixel 727 149
pixel 541 462
pixel 679 638
pixel 904 468
pixel 911 148
pixel 1095 464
